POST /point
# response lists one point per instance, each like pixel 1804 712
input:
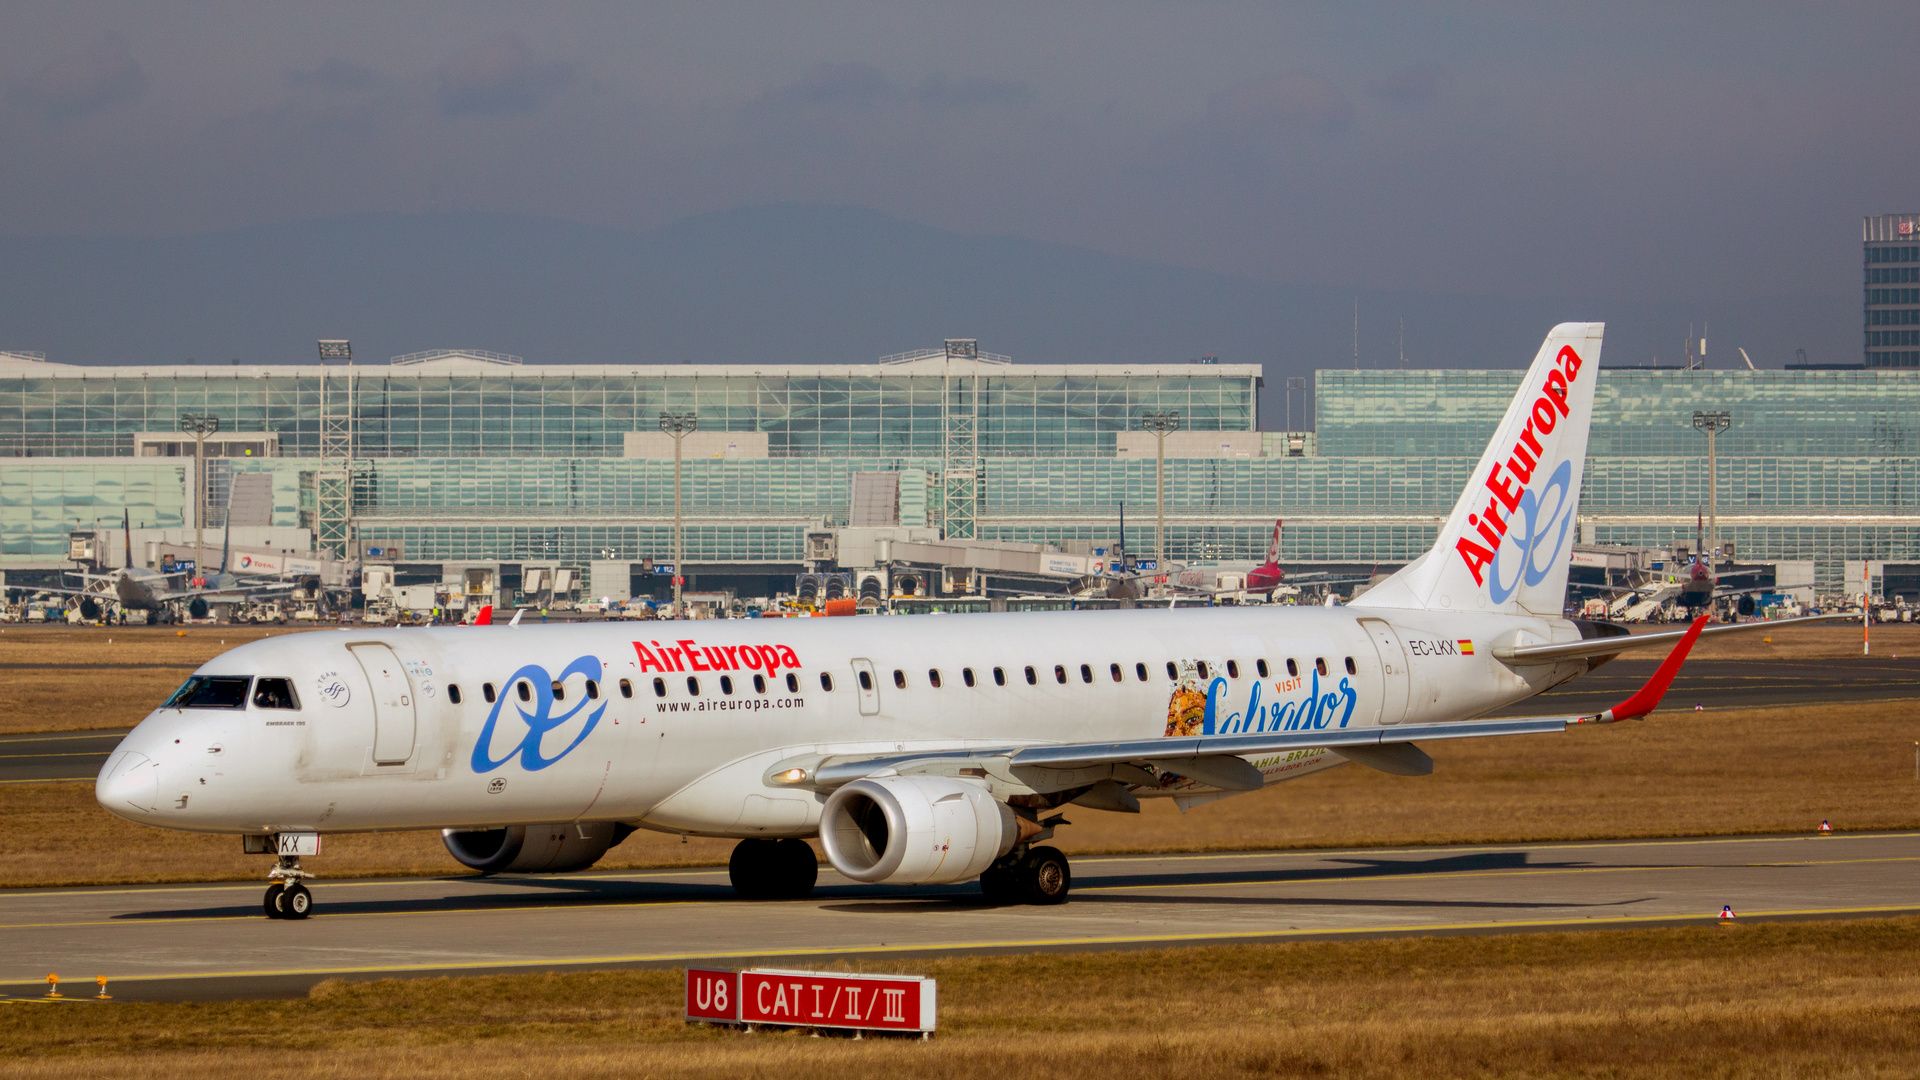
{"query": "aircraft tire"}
pixel 1045 877
pixel 799 869
pixel 296 902
pixel 748 869
pixel 272 901
pixel 1001 886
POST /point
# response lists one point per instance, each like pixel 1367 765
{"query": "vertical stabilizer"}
pixel 1273 545
pixel 1506 546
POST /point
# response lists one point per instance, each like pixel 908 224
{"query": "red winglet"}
pixel 1647 698
pixel 485 618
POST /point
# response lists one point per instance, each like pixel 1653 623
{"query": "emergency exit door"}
pixel 392 693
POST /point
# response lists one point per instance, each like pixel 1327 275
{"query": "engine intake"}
pixel 534 849
pixel 915 830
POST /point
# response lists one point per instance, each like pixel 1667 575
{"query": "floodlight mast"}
pixel 679 426
pixel 199 426
pixel 1713 423
pixel 333 483
pixel 1161 423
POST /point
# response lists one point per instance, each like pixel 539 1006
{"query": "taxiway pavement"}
pixel 211 941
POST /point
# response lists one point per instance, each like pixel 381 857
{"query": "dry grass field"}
pixel 1828 999
pixel 1679 773
pixel 73 699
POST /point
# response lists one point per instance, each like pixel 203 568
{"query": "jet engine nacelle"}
pixel 915 830
pixel 533 849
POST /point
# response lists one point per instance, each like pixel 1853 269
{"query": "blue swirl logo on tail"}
pixel 537 714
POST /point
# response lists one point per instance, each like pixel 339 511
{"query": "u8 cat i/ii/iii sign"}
pixel 812 999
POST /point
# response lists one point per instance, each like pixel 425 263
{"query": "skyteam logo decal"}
pixel 530 693
pixel 1526 528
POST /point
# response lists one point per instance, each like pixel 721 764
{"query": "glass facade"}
pixel 464 407
pixel 470 462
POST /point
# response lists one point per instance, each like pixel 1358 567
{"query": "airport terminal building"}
pixel 445 459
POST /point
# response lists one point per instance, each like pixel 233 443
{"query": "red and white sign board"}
pixel 812 999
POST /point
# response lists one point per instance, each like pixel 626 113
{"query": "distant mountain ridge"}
pixel 783 283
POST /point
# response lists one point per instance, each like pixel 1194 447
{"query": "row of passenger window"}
pixel 935 680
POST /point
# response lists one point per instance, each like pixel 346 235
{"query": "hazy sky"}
pixel 1709 151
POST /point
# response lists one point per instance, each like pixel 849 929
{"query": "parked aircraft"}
pixel 1261 578
pixel 918 749
pixel 138 588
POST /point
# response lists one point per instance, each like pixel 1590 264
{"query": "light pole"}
pixel 199 426
pixel 678 425
pixel 1713 423
pixel 1161 423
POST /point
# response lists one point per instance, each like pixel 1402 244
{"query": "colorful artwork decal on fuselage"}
pixel 536 712
pixel 1191 712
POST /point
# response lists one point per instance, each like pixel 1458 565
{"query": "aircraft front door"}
pixel 1393 668
pixel 393 713
pixel 868 684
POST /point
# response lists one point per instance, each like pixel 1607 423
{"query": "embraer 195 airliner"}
pixel 919 749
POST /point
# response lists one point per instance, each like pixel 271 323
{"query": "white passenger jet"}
pixel 919 749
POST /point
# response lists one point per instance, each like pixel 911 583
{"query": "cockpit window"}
pixel 274 694
pixel 211 692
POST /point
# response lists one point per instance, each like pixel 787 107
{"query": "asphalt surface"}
pixel 203 942
pixel 68 755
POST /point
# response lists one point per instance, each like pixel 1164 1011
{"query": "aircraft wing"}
pixel 1613 646
pixel 1218 760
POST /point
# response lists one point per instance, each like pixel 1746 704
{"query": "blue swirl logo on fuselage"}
pixel 1313 712
pixel 537 714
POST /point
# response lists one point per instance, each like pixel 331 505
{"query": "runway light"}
pixel 102 995
pixel 790 776
pixel 53 986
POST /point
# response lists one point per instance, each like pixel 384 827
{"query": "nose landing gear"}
pixel 287 898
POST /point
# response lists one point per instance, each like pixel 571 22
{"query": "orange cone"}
pixel 1726 913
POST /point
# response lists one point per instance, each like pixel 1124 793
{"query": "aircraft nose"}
pixel 129 784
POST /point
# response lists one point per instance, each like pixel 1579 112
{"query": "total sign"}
pixel 815 999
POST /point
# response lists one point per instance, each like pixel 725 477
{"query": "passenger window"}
pixel 826 682
pixel 793 683
pixel 1201 667
pixel 659 686
pixel 1293 669
pixel 693 686
pixel 1086 673
pixel 1140 670
pixel 899 679
pixel 278 694
pixel 1351 670
pixel 933 678
pixel 486 691
pixel 526 691
pixel 1320 665
pixel 1117 676
pixel 866 681
pixel 626 688
pixel 759 684
pixel 593 690
pixel 1260 666
pixel 966 675
pixel 559 692
pixel 999 677
pixel 1173 672
pixel 1032 679
pixel 453 693
pixel 1233 669
pixel 726 684
pixel 1060 674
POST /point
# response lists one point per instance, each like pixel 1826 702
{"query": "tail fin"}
pixel 1505 546
pixel 1273 545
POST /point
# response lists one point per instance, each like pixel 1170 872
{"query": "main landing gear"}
pixel 1036 875
pixel 773 869
pixel 287 898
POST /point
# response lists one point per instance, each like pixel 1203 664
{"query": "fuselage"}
pixel 674 725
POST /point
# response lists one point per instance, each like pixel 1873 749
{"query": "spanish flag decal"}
pixel 1466 647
